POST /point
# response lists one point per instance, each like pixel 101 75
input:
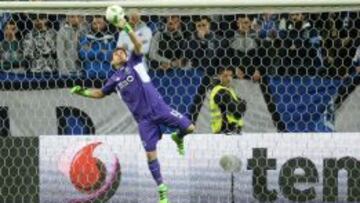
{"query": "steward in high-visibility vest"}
pixel 226 107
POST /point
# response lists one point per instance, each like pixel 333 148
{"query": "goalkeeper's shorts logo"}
pixel 95 173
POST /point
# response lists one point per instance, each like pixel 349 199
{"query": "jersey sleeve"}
pixel 109 86
pixel 135 58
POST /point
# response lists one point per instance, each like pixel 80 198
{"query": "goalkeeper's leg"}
pixel 150 135
pixel 174 119
pixel 154 167
pixel 178 137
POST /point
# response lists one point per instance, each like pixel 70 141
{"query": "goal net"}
pixel 293 65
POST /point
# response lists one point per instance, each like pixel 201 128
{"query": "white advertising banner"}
pixel 33 113
pixel 215 169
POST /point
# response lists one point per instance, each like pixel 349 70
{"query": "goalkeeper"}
pixel 132 82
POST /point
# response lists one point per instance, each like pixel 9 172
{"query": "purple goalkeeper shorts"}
pixel 150 132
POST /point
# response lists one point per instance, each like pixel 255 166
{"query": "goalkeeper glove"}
pixel 128 28
pixel 123 24
pixel 80 91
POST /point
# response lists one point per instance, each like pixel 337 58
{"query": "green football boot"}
pixel 163 194
pixel 179 143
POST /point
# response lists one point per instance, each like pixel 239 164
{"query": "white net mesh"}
pixel 288 56
pixel 293 69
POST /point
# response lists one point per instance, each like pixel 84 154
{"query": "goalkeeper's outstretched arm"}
pixel 85 92
pixel 123 24
pixel 137 43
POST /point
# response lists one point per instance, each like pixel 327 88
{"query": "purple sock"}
pixel 154 167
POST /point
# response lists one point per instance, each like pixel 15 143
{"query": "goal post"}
pixel 244 6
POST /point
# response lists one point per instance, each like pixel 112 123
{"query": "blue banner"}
pixel 178 87
pixel 305 104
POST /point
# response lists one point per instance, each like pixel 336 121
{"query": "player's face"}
pixel 244 24
pixel 226 77
pixel 134 19
pixel 119 57
pixel 203 26
pixel 173 23
pixel 98 24
pixel 74 20
pixel 10 31
pixel 297 17
pixel 40 23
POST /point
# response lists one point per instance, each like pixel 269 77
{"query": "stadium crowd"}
pixel 305 44
pixel 56 51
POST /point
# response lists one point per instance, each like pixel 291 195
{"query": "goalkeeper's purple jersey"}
pixel 133 85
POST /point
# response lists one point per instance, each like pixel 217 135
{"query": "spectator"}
pixel 226 107
pixel 339 43
pixel 205 51
pixel 356 63
pixel 267 26
pixel 24 23
pixel 96 49
pixel 142 30
pixel 243 48
pixel 354 71
pixel 40 46
pixel 166 49
pixel 11 53
pixel 203 47
pixel 67 44
pixel 4 18
pixel 153 22
pixel 298 50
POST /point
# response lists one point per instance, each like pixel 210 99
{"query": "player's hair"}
pixel 226 68
pixel 251 17
pixel 38 16
pixel 172 16
pixel 11 22
pixel 98 16
pixel 200 18
pixel 119 48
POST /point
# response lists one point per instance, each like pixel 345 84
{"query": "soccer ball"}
pixel 114 14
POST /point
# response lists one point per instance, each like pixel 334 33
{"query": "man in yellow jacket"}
pixel 226 107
